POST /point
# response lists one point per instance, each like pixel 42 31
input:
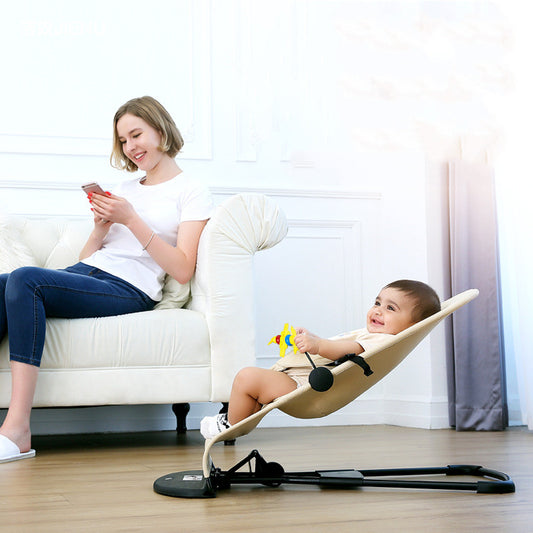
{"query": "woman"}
pixel 146 228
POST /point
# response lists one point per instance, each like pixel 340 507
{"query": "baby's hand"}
pixel 306 341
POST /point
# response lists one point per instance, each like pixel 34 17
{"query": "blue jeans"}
pixel 30 294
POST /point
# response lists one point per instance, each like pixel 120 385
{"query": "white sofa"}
pixel 171 355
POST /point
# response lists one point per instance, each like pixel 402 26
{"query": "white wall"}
pixel 343 112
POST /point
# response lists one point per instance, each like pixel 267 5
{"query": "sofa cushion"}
pixel 159 338
pixel 14 253
pixel 175 294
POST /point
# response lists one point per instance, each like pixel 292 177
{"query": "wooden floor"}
pixel 103 483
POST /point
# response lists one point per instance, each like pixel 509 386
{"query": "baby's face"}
pixel 391 313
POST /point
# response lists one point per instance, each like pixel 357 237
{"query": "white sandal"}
pixel 9 451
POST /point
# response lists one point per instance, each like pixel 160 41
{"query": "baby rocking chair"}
pixel 351 379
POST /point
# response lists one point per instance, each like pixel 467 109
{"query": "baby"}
pixel 400 304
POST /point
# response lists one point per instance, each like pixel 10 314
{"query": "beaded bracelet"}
pixel 149 241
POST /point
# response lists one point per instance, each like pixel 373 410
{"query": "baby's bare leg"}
pixel 254 387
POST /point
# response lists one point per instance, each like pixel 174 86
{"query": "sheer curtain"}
pixel 516 230
pixel 514 181
pixel 515 194
pixel 476 370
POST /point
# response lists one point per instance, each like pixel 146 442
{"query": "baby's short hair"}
pixel 426 299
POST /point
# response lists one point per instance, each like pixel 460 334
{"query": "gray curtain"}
pixel 476 368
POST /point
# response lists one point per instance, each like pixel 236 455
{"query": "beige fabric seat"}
pixel 349 379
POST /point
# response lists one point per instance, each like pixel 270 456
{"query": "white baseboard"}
pixel 105 419
pixel 135 418
pixel 425 414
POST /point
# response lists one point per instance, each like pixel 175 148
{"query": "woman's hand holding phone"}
pixel 91 189
pixel 107 207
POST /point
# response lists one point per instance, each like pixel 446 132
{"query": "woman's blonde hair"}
pixel 154 114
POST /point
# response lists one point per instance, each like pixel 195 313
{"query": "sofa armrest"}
pixel 222 287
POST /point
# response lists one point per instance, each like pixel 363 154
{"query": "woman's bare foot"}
pixel 22 438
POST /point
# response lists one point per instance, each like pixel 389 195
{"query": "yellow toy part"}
pixel 285 339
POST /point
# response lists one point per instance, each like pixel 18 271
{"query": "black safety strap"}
pixel 357 359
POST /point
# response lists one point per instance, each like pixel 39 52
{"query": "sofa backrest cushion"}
pixel 14 251
pixel 56 243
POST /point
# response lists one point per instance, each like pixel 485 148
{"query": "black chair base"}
pixel 193 484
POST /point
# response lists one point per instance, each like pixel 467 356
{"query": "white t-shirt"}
pixel 163 207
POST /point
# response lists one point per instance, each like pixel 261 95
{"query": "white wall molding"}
pixel 104 419
pixel 54 145
pixel 424 412
pixel 323 223
pixel 313 279
pixel 198 135
pixel 246 135
pixel 191 96
pixel 39 185
pixel 300 193
pixel 219 191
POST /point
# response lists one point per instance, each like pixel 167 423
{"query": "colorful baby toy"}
pixel 285 339
pixel 320 378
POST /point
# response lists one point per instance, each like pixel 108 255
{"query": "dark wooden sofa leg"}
pixel 181 410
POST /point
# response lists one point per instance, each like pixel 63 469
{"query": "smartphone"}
pixel 92 187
